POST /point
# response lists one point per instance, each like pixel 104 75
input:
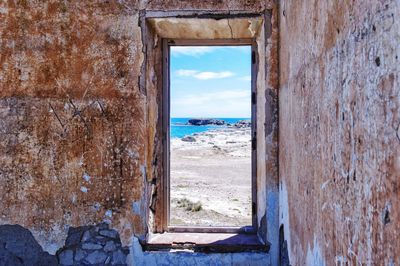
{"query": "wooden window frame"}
pixel 165 179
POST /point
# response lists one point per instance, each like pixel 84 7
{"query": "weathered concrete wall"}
pixel 76 124
pixel 270 132
pixel 339 131
pixel 72 127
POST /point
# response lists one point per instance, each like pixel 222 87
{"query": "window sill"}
pixel 205 242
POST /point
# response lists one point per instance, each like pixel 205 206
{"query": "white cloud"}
pixel 225 103
pixel 203 75
pixel 191 50
pixel 245 78
pixel 213 75
pixel 186 72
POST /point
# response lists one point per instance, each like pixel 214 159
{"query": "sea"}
pixel 179 127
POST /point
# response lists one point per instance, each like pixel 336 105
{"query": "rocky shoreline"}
pixel 201 166
pixel 241 124
pixel 217 122
pixel 205 122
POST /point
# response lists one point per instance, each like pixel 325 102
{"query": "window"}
pixel 162 30
pixel 209 146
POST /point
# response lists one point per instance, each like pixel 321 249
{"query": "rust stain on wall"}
pixel 339 123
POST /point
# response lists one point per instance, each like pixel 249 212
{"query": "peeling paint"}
pixel 136 207
pixel 86 177
pixel 314 255
pixel 108 213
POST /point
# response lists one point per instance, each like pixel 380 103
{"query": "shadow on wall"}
pixel 283 248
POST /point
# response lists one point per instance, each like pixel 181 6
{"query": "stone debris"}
pixel 79 255
pixel 118 257
pixel 189 139
pixel 93 245
pixel 109 233
pixel 96 257
pixel 66 257
pixel 19 247
pixel 110 246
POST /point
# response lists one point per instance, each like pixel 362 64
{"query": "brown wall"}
pixel 74 125
pixel 339 131
pixel 71 107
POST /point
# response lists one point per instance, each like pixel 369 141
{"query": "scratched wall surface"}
pixel 74 122
pixel 339 155
pixel 72 119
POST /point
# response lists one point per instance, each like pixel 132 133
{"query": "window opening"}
pixel 210 136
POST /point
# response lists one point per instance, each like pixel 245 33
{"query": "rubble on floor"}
pixel 85 245
pixel 18 247
pixel 92 245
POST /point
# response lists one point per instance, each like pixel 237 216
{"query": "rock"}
pixel 242 124
pixel 97 246
pixel 73 239
pixel 20 242
pixel 100 237
pixel 66 257
pixel 103 226
pixel 86 236
pixel 46 260
pixel 96 257
pixel 110 246
pixel 118 258
pixel 79 255
pixel 109 233
pixel 205 121
pixel 7 258
pixel 91 246
pixel 218 122
pixel 17 244
pixel 188 139
pixel 75 235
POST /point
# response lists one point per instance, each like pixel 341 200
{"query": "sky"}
pixel 210 81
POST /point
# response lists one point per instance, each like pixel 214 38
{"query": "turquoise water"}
pixel 179 128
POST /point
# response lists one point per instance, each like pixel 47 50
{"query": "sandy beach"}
pixel 213 170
